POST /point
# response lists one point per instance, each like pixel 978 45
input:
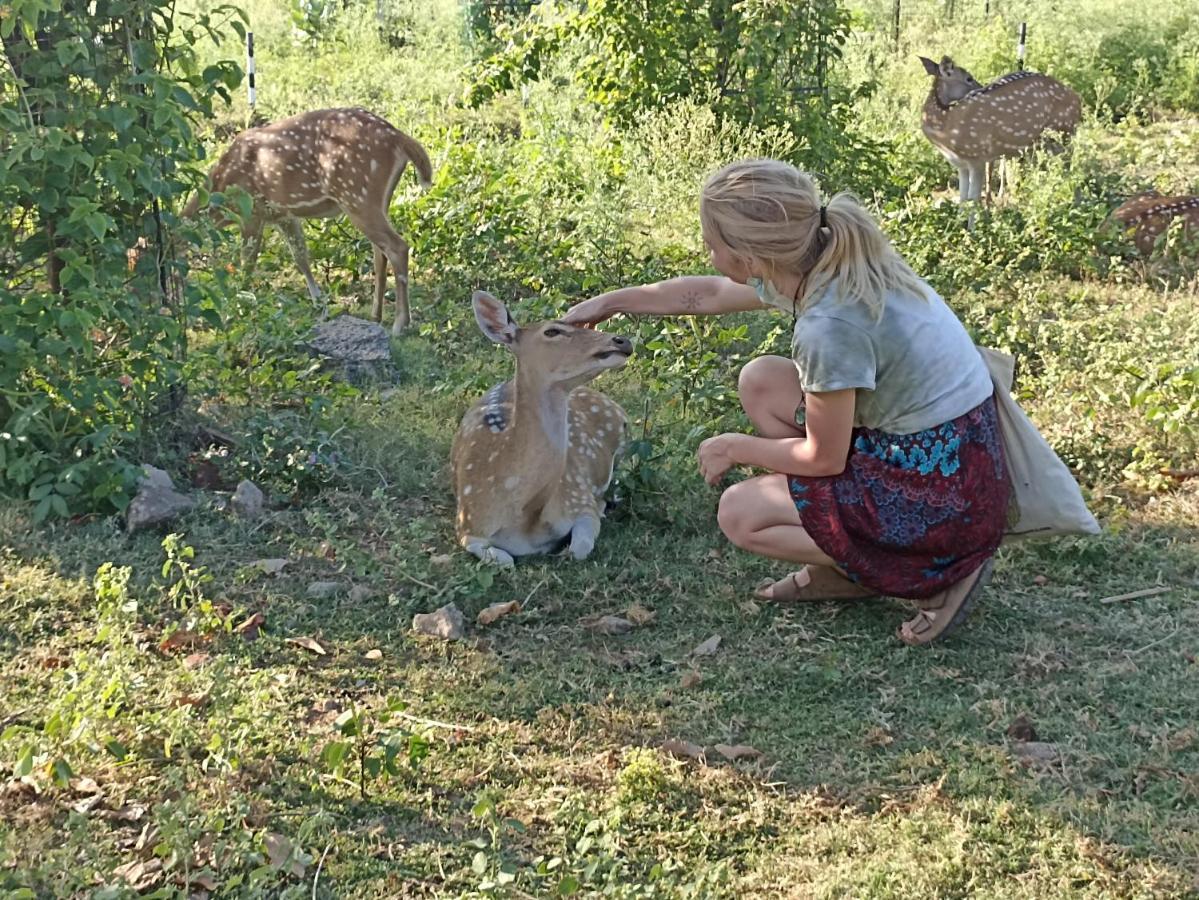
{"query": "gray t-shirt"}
pixel 914 368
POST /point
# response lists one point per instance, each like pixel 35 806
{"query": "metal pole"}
pixel 1020 46
pixel 895 25
pixel 250 72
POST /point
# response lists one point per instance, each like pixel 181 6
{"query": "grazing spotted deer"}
pixel 972 124
pixel 533 457
pixel 1150 214
pixel 319 164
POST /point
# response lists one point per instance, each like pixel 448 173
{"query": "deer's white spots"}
pixel 511 481
pixel 466 490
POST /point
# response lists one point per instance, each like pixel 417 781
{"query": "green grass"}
pixel 885 771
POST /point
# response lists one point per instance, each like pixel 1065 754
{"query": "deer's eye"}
pixel 553 332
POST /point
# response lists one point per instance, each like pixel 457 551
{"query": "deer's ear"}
pixel 929 66
pixel 493 318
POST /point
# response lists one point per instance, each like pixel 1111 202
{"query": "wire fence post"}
pixel 895 25
pixel 1020 46
pixel 253 89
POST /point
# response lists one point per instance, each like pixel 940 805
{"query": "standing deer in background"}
pixel 1150 214
pixel 533 458
pixel 316 165
pixel 973 125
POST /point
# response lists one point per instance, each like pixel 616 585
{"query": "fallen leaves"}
pixel 690 750
pixel 373 655
pixel 270 566
pixel 195 660
pixel 691 679
pixel 282 854
pixel 639 615
pixel 1021 729
pixel 181 639
pixel 497 611
pixel 734 752
pixel 682 748
pixel 140 874
pixel 708 647
pixel 250 627
pixel 607 625
pixel 313 645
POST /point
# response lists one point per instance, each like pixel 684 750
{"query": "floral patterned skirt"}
pixel 912 513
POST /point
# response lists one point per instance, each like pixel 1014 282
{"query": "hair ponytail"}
pixel 770 212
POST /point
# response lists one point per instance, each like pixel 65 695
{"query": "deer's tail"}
pixel 412 148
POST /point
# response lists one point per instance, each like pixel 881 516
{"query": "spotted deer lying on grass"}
pixel 972 124
pixel 533 458
pixel 320 164
pixel 1149 214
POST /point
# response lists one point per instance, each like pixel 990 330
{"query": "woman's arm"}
pixel 688 295
pixel 829 422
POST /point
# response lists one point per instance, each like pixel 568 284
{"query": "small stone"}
pixel 1035 752
pixel 248 500
pixel 446 623
pixel 156 502
pixel 360 593
pixel 323 590
pixel 354 349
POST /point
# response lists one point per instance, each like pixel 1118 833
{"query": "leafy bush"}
pixel 97 144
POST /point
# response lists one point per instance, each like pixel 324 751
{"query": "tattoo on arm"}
pixel 692 301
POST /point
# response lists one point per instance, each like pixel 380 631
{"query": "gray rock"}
pixel 323 590
pixel 248 500
pixel 360 593
pixel 445 623
pixel 1035 752
pixel 156 501
pixel 354 349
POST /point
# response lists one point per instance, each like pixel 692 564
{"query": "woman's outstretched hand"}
pixel 589 312
pixel 716 457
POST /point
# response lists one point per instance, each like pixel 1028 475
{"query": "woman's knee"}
pixel 734 514
pixel 767 375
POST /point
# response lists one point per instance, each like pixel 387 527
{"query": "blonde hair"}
pixel 768 214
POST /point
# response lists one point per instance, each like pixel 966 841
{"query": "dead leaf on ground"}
pixel 271 566
pixel 139 874
pixel 692 679
pixel 373 655
pixel 497 611
pixel 195 660
pixel 55 662
pixel 441 559
pixel 313 645
pixel 249 628
pixel 607 625
pixel 878 737
pixel 323 712
pixel 708 647
pixel 733 752
pixel 130 812
pixel 682 748
pixel 1040 580
pixel 204 880
pixel 279 852
pixel 1022 729
pixel 87 804
pixel 639 615
pixel 193 700
pixel 181 640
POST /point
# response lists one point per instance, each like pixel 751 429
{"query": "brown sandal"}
pixel 811 584
pixel 945 611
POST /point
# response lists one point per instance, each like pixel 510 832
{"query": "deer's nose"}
pixel 623 344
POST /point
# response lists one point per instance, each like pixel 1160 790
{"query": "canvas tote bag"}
pixel 1046 499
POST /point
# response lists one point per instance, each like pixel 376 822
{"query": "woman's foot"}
pixel 943 612
pixel 812 583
